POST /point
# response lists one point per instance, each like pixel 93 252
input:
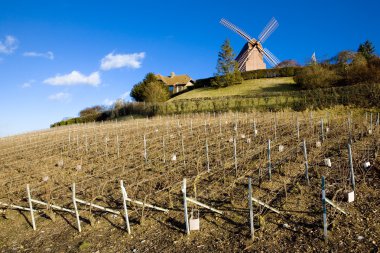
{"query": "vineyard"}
pixel 284 155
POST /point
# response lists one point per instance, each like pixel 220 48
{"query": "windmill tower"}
pixel 252 54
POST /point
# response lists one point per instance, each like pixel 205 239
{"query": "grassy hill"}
pixel 248 87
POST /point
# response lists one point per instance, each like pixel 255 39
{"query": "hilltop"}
pixel 246 88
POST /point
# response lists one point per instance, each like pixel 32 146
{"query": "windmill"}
pixel 252 54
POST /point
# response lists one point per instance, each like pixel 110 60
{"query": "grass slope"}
pixel 248 87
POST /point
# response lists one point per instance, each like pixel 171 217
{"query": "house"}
pixel 176 83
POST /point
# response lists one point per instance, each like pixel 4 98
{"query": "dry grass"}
pixel 248 87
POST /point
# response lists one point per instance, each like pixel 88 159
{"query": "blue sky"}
pixel 58 57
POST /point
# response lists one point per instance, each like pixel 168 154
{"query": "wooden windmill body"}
pixel 252 55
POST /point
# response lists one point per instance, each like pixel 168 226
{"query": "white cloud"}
pixel 114 61
pixel 27 84
pixel 48 55
pixel 74 78
pixel 61 97
pixel 108 102
pixel 9 45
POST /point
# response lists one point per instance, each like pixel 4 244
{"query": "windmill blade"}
pixel 244 58
pixel 273 60
pixel 236 29
pixel 268 30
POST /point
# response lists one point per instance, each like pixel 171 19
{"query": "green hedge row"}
pixel 362 95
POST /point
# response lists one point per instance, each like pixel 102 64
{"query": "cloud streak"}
pixel 9 45
pixel 48 55
pixel 60 97
pixel 27 84
pixel 74 78
pixel 114 61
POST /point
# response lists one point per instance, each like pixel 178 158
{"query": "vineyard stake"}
pixel 275 126
pixel 322 133
pixel 298 130
pixel 251 208
pixel 117 145
pixel 352 176
pixel 145 153
pixel 183 151
pixel 235 158
pixel 185 207
pixel 324 209
pixel 124 193
pixel 76 209
pixel 163 146
pixel 31 207
pixel 208 161
pixel 306 163
pixel 269 162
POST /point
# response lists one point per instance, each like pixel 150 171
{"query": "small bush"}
pixel 316 76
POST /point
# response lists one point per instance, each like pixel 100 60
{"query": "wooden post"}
pixel 125 196
pixel 298 130
pixel 269 162
pixel 30 207
pixel 86 144
pixel 275 126
pixel 349 130
pixel 117 146
pixel 164 149
pixel 187 228
pixel 371 128
pixel 254 128
pixel 235 158
pixel 208 161
pixel 306 163
pixel 145 152
pixel 352 176
pixel 220 125
pixel 378 119
pixel 322 133
pixel 191 126
pixel 251 208
pixel 183 151
pixel 106 145
pixel 76 209
pixel 324 209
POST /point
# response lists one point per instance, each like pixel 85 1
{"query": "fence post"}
pixel 324 209
pixel 124 194
pixel 269 162
pixel 30 207
pixel 352 176
pixel 251 208
pixel 187 229
pixel 76 209
pixel 254 128
pixel 306 163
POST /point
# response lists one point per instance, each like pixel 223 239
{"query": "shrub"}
pixel 316 76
